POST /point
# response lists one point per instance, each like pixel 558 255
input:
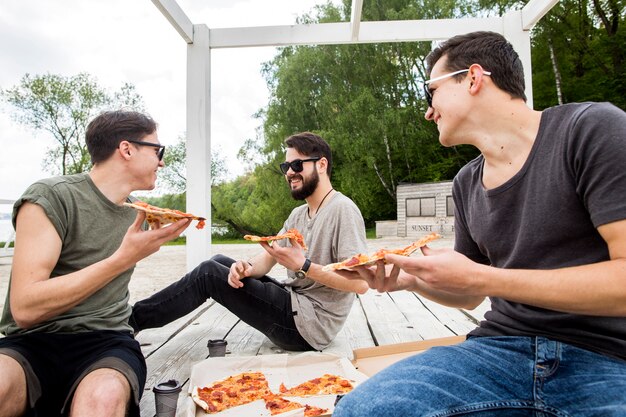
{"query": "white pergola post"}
pixel 515 26
pixel 199 143
pixel 520 39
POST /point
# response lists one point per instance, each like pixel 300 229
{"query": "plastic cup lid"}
pixel 217 342
pixel 167 387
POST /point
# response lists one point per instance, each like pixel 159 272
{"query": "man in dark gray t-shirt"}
pixel 306 311
pixel 540 229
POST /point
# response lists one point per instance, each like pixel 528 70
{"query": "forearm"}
pixel 597 289
pixel 448 299
pixel 261 265
pixel 40 300
pixel 336 281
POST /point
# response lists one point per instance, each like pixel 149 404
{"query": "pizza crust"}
pixel 365 260
pixel 156 216
pixel 289 234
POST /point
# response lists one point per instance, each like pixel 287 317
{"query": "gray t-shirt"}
pixel 546 217
pixel 91 228
pixel 335 233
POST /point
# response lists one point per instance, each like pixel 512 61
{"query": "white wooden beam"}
pixel 520 39
pixel 355 19
pixel 535 10
pixel 341 33
pixel 199 144
pixel 177 18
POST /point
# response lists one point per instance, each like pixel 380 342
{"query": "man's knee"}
pixel 12 387
pixel 104 391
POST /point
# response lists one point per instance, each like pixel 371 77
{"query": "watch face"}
pixel 300 274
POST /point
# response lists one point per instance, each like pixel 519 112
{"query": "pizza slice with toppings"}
pixel 326 384
pixel 364 260
pixel 157 216
pixel 289 234
pixel 231 392
pixel 278 405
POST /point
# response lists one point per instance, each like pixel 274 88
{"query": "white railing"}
pixel 5 250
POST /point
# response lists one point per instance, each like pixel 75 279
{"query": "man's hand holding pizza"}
pixel 442 275
pixel 291 257
pixel 138 243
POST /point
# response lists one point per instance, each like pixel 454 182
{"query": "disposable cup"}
pixel 217 347
pixel 166 397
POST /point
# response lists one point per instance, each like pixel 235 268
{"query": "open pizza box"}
pixel 296 368
pixel 290 369
pixel 374 359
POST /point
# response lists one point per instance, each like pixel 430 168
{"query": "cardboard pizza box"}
pixel 290 369
pixel 373 359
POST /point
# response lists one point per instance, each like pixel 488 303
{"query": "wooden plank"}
pixel 174 359
pixel 387 323
pixel 152 339
pixel 452 318
pixel 244 340
pixel 421 318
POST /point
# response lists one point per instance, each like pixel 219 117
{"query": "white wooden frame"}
pixel 514 25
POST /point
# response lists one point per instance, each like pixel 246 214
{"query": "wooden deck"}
pixel 375 320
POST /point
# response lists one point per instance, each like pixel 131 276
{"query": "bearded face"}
pixel 301 187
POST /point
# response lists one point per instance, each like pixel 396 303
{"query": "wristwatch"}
pixel 305 268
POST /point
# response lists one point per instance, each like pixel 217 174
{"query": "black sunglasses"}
pixel 155 145
pixel 296 164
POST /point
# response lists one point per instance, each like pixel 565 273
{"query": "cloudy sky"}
pixel 120 41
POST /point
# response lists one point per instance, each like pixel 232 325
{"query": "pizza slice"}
pixel 326 384
pixel 156 216
pixel 231 392
pixel 364 260
pixel 278 405
pixel 289 234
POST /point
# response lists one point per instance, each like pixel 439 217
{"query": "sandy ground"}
pixel 168 265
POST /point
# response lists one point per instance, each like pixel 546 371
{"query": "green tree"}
pixel 366 100
pixel 63 107
pixel 173 176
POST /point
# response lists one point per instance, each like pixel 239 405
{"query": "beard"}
pixel 308 187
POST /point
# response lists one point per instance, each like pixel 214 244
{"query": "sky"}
pixel 130 41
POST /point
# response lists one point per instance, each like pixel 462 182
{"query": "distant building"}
pixel 422 208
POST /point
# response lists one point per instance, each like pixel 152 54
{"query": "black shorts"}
pixel 55 364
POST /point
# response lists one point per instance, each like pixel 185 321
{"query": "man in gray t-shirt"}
pixel 306 311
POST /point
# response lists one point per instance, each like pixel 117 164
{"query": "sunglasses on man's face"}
pixel 160 152
pixel 296 164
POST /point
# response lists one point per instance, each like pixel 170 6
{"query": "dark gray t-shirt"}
pixel 546 217
pixel 91 228
pixel 335 233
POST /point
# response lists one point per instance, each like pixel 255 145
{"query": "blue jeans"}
pixel 262 303
pixel 494 376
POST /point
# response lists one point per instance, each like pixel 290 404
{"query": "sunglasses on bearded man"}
pixel 296 164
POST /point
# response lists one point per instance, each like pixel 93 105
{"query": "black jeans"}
pixel 262 303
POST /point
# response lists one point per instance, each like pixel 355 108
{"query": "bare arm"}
pixel 36 298
pixel 256 267
pixel 293 258
pixel 595 289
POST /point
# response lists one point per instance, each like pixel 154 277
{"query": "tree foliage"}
pixel 63 107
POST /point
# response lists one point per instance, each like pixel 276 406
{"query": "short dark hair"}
pixel 311 145
pixel 108 129
pixel 490 50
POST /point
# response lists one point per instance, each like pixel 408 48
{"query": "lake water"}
pixel 5 229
